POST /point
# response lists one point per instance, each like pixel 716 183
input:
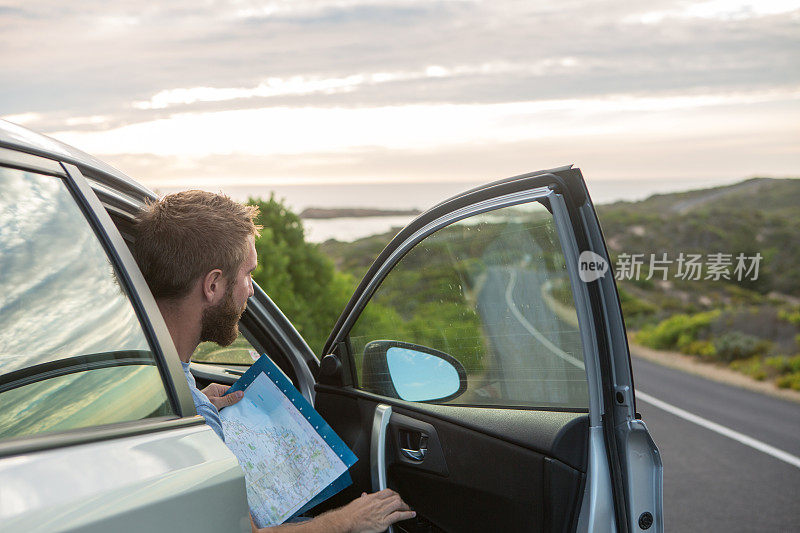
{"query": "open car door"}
pixel 481 370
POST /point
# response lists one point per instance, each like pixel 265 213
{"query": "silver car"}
pixel 481 368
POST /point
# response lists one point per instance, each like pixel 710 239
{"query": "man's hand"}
pixel 215 393
pixel 373 513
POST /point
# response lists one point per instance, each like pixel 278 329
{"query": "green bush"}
pixel 782 364
pixel 779 363
pixel 676 329
pixel 631 305
pixel 789 381
pixel 704 349
pixel 298 277
pixel 792 317
pixel 736 345
pixel 752 367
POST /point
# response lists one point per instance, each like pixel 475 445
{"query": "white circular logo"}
pixel 591 266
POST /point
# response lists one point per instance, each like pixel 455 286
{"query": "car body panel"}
pixel 183 480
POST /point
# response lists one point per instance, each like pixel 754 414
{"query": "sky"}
pixel 251 93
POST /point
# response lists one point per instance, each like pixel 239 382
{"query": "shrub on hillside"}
pixel 704 349
pixel 299 278
pixel 792 317
pixel 736 345
pixel 782 364
pixel 789 381
pixel 752 366
pixel 676 330
pixel 634 309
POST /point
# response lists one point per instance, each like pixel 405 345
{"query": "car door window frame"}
pixel 569 249
pixel 141 300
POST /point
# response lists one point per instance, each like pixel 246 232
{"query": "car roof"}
pixel 17 137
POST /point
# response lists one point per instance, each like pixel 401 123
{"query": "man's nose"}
pixel 252 292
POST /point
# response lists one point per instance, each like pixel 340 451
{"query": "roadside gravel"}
pixel 713 372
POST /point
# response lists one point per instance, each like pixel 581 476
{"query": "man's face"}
pixel 220 322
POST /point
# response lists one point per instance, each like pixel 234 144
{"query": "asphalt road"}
pixel 742 475
pixel 518 324
pixel 711 481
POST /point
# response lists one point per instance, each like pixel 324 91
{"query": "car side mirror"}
pixel 412 372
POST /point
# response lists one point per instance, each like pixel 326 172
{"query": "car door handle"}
pixel 417 455
pixel 378 446
pixel 380 424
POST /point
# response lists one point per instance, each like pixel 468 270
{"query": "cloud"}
pixel 257 78
pixel 300 85
pixel 284 130
pixel 100 59
pixel 720 10
pixel 708 136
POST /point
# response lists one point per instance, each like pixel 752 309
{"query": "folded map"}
pixel 291 458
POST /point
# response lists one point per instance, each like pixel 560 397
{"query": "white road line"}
pixel 532 330
pixel 722 430
pixel 677 411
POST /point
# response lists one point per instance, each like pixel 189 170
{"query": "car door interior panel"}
pixel 470 477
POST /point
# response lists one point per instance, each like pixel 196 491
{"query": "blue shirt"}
pixel 202 404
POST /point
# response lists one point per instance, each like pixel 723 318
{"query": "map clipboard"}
pixel 291 457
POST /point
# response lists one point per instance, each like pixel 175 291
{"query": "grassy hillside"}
pixel 751 325
pixel 758 215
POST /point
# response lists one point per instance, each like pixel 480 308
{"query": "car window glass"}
pixel 240 352
pixel 72 351
pixel 493 292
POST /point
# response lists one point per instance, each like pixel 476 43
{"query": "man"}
pixel 197 252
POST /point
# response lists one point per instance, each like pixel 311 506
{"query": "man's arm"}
pixel 371 513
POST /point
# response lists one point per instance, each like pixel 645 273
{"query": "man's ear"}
pixel 213 286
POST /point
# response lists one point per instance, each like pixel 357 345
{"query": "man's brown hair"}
pixel 185 235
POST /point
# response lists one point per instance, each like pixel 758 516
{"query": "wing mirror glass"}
pixel 412 372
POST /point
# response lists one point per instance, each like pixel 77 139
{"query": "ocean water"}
pixel 350 228
pixel 421 196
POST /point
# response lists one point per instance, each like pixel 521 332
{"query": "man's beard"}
pixel 220 323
